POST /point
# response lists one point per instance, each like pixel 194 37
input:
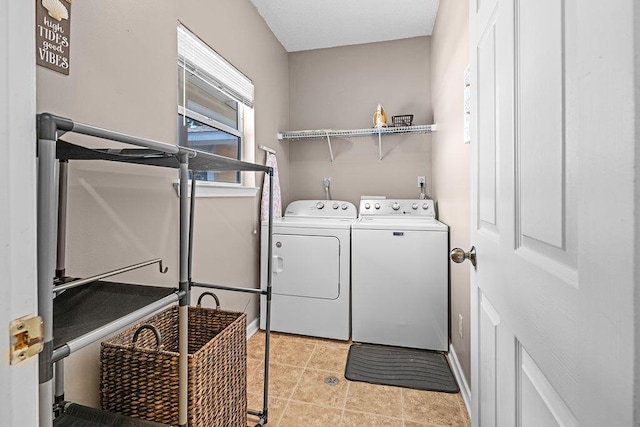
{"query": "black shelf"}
pixel 80 310
pixel 198 160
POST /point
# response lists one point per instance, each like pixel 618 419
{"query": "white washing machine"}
pixel 400 275
pixel 310 269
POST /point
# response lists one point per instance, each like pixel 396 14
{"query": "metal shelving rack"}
pixel 75 329
pixel 349 133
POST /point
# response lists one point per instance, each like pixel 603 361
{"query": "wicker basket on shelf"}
pixel 141 379
pixel 403 120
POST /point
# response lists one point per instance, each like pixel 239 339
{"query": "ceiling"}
pixel 315 24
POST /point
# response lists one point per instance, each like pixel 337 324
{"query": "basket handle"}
pixel 215 297
pixel 152 329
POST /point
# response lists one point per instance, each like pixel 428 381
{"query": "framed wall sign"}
pixel 53 28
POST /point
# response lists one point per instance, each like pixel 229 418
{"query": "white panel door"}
pixel 18 383
pixel 552 212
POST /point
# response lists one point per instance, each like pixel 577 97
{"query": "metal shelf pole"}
pixel 183 310
pixel 63 175
pixel 46 242
pixel 267 336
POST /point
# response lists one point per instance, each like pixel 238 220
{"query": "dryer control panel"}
pixel 321 209
pixel 414 208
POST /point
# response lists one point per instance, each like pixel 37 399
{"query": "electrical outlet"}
pixel 422 181
pixel 460 325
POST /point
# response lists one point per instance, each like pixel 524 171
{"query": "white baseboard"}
pixel 253 327
pixel 457 371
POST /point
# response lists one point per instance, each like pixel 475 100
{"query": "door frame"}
pixel 19 391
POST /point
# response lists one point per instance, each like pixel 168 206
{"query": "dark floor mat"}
pixel 400 367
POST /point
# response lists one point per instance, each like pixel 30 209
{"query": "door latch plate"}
pixel 27 337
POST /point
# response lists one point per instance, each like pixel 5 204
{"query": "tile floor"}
pixel 299 396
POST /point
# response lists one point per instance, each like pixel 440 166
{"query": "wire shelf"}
pixel 348 133
pixel 323 133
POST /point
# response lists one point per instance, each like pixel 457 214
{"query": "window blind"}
pixel 199 59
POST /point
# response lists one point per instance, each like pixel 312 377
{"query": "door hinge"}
pixel 27 337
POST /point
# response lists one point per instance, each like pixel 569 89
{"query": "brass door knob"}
pixel 458 256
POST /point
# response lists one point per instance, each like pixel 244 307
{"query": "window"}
pixel 212 99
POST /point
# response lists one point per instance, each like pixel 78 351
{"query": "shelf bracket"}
pixel 380 143
pixel 329 142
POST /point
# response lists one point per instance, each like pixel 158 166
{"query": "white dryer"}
pixel 310 269
pixel 400 279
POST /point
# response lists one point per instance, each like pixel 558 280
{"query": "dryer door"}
pixel 306 266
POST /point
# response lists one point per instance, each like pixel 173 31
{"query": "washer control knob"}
pixel 395 206
pixel 377 206
pixel 425 206
pixel 335 206
pixel 344 206
pixel 319 205
pixel 367 206
pixel 414 206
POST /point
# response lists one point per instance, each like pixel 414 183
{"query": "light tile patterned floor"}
pixel 299 396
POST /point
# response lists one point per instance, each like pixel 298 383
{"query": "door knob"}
pixel 457 255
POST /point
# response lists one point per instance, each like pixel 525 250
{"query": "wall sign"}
pixel 53 27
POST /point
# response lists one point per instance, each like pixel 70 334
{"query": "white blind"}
pixel 199 59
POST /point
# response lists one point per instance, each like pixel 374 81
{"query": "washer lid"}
pixel 418 224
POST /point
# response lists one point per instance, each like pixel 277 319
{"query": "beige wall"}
pixel 450 56
pixel 339 88
pixel 123 77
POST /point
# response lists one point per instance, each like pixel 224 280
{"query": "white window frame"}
pixel 205 61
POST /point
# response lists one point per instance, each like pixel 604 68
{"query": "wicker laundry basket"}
pixel 141 379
